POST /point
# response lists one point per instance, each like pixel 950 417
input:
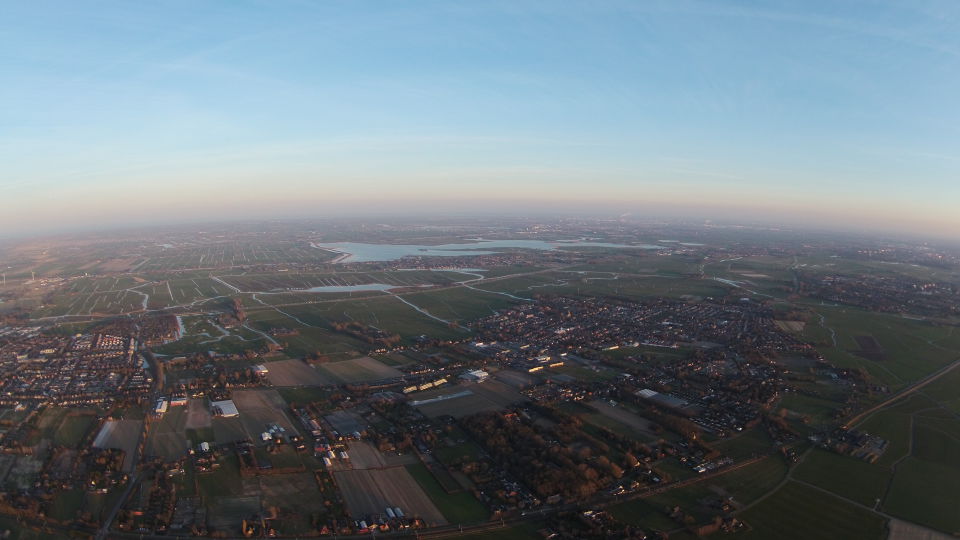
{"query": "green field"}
pixel 460 304
pixel 66 504
pixel 923 435
pixel 456 508
pixel 912 349
pixel 800 512
pixel 926 492
pixel 523 531
pixel 642 514
pixel 746 444
pixel 744 485
pixel 222 482
pixel 846 476
pixel 73 429
pixel 467 450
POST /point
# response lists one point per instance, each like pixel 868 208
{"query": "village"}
pixel 380 443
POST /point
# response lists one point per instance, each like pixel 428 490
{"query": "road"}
pixel 105 529
pixel 134 476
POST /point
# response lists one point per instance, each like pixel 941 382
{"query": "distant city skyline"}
pixel 839 114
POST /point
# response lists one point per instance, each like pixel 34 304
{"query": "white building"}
pixel 225 408
pixel 475 375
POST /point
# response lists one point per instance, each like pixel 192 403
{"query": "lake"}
pixel 360 252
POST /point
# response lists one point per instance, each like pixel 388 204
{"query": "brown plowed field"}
pixel 198 414
pixel 370 491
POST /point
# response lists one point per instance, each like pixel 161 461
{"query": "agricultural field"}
pixel 390 313
pixel 225 482
pixel 370 491
pixel 522 286
pixel 916 476
pixel 75 428
pixel 19 472
pixel 457 446
pixel 198 414
pixel 464 400
pixel 787 515
pixel 66 504
pixel 461 305
pixel 643 514
pixel 925 492
pixel 911 348
pixel 747 444
pixel 527 530
pixel 818 410
pixel 632 286
pixel 297 498
pixel 621 420
pixel 926 473
pixel 167 436
pixel 582 373
pixel 846 476
pixel 202 334
pixel 516 379
pixel 312 337
pixel 744 486
pixel 61 425
pixel 260 408
pixel 224 430
pixel 225 514
pixel 346 421
pixel 357 370
pixel 461 507
pixel 123 435
pixel 296 373
pixel 280 282
pixel 227 254
pixel 12 416
pixel 364 456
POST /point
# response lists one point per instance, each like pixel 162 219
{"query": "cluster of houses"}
pixel 536 332
pixel 854 443
pixel 79 370
pixel 886 293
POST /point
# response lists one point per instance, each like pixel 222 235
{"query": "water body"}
pixel 349 288
pixel 360 252
pixel 690 244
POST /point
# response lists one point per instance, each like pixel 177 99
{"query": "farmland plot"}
pixel 370 491
pixel 296 373
pixel 358 370
pixel 123 435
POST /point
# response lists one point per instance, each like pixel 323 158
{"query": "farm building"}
pixel 161 407
pixel 475 375
pixel 664 400
pixel 225 408
pixel 178 401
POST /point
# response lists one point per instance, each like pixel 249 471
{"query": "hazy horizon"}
pixel 689 221
pixel 822 115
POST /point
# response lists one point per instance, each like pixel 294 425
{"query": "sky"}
pixel 839 113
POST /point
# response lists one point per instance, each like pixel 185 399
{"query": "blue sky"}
pixel 825 112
